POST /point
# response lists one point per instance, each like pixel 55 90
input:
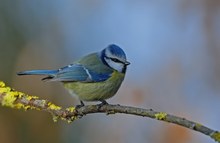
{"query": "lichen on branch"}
pixel 18 100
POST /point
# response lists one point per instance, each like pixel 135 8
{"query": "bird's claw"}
pixel 81 105
pixel 102 104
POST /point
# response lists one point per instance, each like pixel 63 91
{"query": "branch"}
pixel 18 100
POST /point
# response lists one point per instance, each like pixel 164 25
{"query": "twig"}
pixel 18 100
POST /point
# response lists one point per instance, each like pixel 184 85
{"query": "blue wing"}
pixel 77 72
pixel 73 72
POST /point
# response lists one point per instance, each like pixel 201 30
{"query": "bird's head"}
pixel 114 57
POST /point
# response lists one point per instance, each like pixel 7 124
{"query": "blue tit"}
pixel 94 77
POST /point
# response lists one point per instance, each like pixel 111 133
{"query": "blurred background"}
pixel 173 47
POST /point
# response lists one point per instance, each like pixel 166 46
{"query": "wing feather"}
pixel 77 72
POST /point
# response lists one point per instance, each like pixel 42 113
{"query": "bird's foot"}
pixel 81 105
pixel 79 114
pixel 102 104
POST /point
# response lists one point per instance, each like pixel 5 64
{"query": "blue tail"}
pixel 38 72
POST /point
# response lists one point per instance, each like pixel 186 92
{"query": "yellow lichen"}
pixel 2 84
pixel 28 107
pixel 34 97
pixel 9 99
pixel 71 109
pixel 10 96
pixel 5 89
pixel 160 116
pixel 18 94
pixel 216 136
pixel 53 106
pixel 19 100
pixel 31 97
pixel 55 118
pixel 69 120
pixel 198 125
pixel 32 107
pixel 19 106
pixel 43 102
pixel 22 106
pixel 73 118
pixel 28 98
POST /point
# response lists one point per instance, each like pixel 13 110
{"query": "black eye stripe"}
pixel 114 60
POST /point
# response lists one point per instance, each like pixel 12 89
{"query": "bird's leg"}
pixel 103 103
pixel 81 105
pixel 81 102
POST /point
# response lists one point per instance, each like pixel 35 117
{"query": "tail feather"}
pixel 38 72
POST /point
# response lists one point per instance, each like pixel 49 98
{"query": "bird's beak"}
pixel 127 63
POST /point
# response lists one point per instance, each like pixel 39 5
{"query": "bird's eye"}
pixel 115 60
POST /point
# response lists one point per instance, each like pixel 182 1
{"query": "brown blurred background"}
pixel 173 46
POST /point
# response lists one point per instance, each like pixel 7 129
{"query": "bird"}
pixel 94 77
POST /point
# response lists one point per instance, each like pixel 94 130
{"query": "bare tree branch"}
pixel 18 100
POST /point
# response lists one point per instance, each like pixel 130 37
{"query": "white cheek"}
pixel 117 66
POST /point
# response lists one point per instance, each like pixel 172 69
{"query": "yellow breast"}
pixel 96 91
